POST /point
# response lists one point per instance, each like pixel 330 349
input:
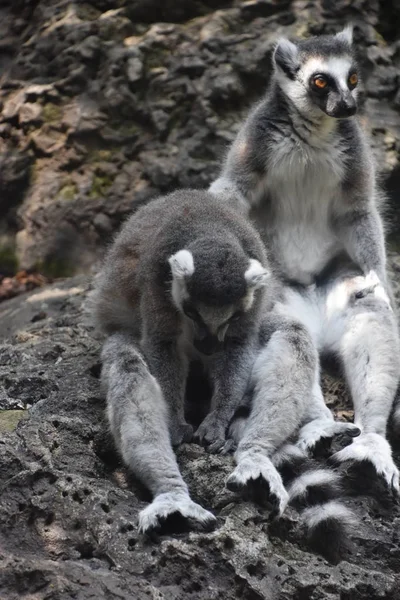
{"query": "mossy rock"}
pixel 51 112
pixel 8 259
pixel 9 419
pixel 55 268
pixel 100 186
pixel 68 191
pixel 86 12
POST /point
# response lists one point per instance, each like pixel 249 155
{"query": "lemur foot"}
pixel 180 432
pixel 211 433
pixel 174 504
pixel 319 433
pixel 258 478
pixel 374 449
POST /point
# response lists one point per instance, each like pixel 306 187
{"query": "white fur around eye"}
pixel 256 275
pixel 182 264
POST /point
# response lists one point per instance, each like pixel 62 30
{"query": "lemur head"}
pixel 213 285
pixel 319 74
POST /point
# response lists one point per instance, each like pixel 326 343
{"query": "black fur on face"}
pixel 330 97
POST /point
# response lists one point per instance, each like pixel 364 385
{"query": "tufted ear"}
pixel 346 35
pixel 256 275
pixel 286 57
pixel 182 264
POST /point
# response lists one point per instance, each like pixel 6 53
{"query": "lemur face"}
pixel 213 297
pixel 319 74
pixel 331 85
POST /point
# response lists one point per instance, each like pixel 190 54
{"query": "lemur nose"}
pixel 349 105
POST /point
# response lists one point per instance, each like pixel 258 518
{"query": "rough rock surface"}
pixel 104 106
pixel 68 508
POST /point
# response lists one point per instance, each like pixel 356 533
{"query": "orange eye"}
pixel 353 79
pixel 320 82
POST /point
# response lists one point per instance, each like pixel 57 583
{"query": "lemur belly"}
pixel 302 250
pixel 294 207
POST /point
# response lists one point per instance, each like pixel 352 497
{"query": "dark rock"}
pixel 83 79
pixel 68 508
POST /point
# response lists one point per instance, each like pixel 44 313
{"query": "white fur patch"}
pixel 182 264
pixel 331 510
pixel 336 66
pixel 256 275
pixel 346 35
pixel 320 477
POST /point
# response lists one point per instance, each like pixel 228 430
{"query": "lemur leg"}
pixel 319 425
pixel 366 339
pixel 282 380
pixel 138 418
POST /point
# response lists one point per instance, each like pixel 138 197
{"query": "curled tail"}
pixel 315 492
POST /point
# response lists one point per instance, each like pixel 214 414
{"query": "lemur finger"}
pixel 228 448
pixel 216 447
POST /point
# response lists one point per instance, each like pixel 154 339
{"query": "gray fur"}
pixel 185 278
pixel 308 181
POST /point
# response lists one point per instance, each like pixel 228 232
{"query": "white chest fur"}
pixel 294 204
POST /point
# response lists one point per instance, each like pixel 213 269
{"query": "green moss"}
pixel 9 419
pixel 51 112
pixel 85 12
pixel 380 39
pixel 55 267
pixel 156 57
pixel 101 155
pixel 8 259
pixel 68 191
pixel 104 154
pixel 100 186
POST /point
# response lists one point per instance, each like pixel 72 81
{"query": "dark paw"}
pixel 256 490
pixel 181 433
pixel 211 434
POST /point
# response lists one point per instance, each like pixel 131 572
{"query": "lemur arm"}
pixel 356 221
pixel 360 229
pixel 361 232
pixel 240 178
pixel 168 365
pixel 229 373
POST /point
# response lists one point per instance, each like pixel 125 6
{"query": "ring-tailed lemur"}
pixel 185 278
pixel 302 167
pixel 189 278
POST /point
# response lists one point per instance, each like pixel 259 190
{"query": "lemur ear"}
pixel 286 57
pixel 346 35
pixel 256 275
pixel 182 264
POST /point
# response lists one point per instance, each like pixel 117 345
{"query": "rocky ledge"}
pixel 68 508
pixel 106 103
